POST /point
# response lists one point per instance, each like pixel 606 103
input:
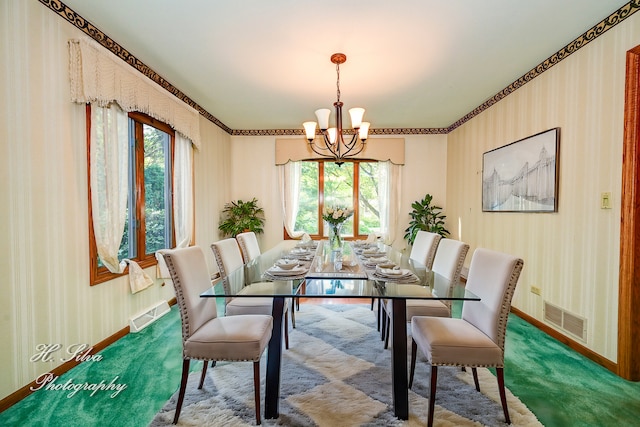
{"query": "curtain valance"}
pixel 97 76
pixel 381 149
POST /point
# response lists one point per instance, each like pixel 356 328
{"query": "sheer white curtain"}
pixel 390 190
pixel 289 180
pixel 109 180
pixel 183 191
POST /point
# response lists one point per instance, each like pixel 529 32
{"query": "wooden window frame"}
pixel 102 274
pixel 355 195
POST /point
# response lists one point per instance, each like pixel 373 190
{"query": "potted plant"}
pixel 426 217
pixel 239 216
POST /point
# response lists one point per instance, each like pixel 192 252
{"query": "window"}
pixel 149 223
pixel 354 184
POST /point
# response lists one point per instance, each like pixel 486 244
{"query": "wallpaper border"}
pixel 91 30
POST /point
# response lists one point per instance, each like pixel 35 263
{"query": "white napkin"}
pixel 306 238
pixel 371 237
pixel 390 272
pixel 277 271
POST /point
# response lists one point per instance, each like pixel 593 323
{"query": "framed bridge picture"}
pixel 522 176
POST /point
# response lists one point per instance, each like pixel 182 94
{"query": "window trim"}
pixel 355 195
pixel 102 274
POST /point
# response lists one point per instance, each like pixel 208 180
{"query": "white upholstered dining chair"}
pixel 448 262
pixel 249 247
pixel 205 336
pixel 478 338
pixel 424 248
pixel 228 257
pixel 423 251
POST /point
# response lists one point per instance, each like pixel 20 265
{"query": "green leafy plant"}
pixel 425 217
pixel 239 216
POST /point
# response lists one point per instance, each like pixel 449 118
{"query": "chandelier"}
pixel 332 144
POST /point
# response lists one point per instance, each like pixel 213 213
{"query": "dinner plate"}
pixel 372 254
pixel 393 273
pixel 277 271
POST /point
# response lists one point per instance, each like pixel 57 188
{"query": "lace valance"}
pixel 97 76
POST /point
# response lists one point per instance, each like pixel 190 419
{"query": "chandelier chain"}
pixel 338 81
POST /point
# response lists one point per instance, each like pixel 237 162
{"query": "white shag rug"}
pixel 337 373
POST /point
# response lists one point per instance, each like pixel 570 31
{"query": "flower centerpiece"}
pixel 335 218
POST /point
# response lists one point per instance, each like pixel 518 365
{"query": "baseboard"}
pixel 574 345
pixel 25 391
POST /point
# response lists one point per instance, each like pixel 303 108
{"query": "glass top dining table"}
pixel 356 270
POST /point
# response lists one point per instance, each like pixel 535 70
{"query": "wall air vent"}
pixel 147 317
pixel 566 321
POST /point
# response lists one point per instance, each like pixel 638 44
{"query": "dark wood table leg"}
pixel 274 362
pixel 399 375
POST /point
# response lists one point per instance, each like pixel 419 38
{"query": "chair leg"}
pixel 432 394
pixel 183 387
pixel 204 374
pixel 503 394
pixel 475 378
pixel 372 300
pixel 387 330
pixel 293 311
pixel 286 329
pixel 256 389
pixel 414 352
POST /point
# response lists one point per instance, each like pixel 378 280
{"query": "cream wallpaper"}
pixel 254 175
pixel 572 255
pixel 44 254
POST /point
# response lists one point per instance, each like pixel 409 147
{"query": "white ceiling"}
pixel 264 64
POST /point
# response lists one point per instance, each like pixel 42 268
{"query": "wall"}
pixel 44 252
pixel 254 175
pixel 572 255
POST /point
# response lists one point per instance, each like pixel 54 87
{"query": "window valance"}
pixel 97 76
pixel 381 149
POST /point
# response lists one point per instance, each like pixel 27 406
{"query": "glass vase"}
pixel 335 240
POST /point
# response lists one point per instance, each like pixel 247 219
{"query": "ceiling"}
pixel 261 65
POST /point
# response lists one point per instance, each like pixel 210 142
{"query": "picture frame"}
pixel 522 176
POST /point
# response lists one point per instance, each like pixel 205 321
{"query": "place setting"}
pixel 373 262
pixel 393 274
pixel 370 252
pixel 286 268
pixel 301 253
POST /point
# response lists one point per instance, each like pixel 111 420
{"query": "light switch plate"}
pixel 605 200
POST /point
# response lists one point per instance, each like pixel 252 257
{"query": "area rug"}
pixel 337 373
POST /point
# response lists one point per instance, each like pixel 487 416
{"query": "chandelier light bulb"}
pixel 363 132
pixel 323 118
pixel 356 117
pixel 333 132
pixel 310 130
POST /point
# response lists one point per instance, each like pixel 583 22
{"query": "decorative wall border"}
pixel 590 35
pixel 377 131
pixel 597 30
pixel 107 42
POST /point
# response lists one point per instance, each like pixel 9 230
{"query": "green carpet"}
pixel 560 386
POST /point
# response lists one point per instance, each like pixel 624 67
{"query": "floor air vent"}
pixel 569 322
pixel 147 317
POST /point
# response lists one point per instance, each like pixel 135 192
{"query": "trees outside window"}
pixel 149 224
pixel 354 185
